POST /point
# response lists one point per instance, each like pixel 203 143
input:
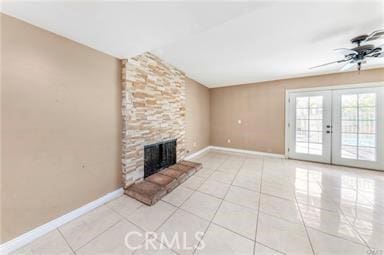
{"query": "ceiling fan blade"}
pixel 376 52
pixel 377 55
pixel 375 35
pixel 334 62
pixel 348 66
pixel 346 52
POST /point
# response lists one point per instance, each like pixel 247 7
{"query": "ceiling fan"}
pixel 359 54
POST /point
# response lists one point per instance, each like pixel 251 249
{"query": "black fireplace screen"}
pixel 158 156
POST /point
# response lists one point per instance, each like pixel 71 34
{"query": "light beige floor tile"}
pixel 372 232
pixel 264 250
pixel 51 243
pixel 252 164
pixel 124 205
pixel 155 249
pixel 247 182
pixel 363 212
pixel 283 208
pixel 328 222
pixel 243 197
pixel 202 205
pixel 219 241
pixel 252 173
pixel 151 217
pixel 324 244
pixel 227 170
pixel 231 165
pixel 122 238
pixel 318 201
pixel 214 188
pixel 83 229
pixel 193 182
pixel 213 163
pixel 282 235
pixel 185 226
pixel 277 190
pixel 178 196
pixel 204 172
pixel 222 177
pixel 237 218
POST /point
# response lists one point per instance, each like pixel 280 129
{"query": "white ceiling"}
pixel 215 43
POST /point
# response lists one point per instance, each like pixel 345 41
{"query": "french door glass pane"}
pixel 302 102
pixel 367 113
pixel 368 99
pixel 367 127
pixel 301 136
pixel 309 125
pixel 367 140
pixel 302 114
pixel 367 153
pixel 315 137
pixel 315 148
pixel 358 126
pixel 349 152
pixel 348 126
pixel 349 139
pixel 349 113
pixel 301 147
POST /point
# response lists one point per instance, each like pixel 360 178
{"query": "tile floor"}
pixel 239 204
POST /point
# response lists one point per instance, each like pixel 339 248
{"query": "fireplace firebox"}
pixel 158 156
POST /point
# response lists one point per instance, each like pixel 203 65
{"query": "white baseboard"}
pixel 246 151
pixel 35 233
pixel 206 149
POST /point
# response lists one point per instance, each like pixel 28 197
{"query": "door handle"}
pixel 328 132
pixel 329 126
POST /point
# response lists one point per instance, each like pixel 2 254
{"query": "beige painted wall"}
pixel 61 126
pixel 197 116
pixel 261 108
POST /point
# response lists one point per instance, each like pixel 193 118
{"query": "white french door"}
pixel 310 126
pixel 344 127
pixel 358 127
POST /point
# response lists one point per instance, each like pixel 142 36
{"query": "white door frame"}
pixel 337 87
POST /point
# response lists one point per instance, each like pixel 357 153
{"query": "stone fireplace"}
pixel 153 110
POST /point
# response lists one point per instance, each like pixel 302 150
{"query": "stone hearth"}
pixel 154 187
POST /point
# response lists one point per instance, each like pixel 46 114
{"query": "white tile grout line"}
pixel 302 220
pixel 258 205
pixel 65 240
pixel 258 212
pixel 217 209
pixel 330 234
pixel 114 224
pixel 341 212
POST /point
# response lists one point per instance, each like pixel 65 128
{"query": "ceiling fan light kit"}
pixel 359 54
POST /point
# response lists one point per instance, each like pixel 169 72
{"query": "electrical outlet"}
pixel 194 144
pixel 239 122
pixel 228 140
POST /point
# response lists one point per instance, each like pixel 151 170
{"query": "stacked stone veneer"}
pixel 153 109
